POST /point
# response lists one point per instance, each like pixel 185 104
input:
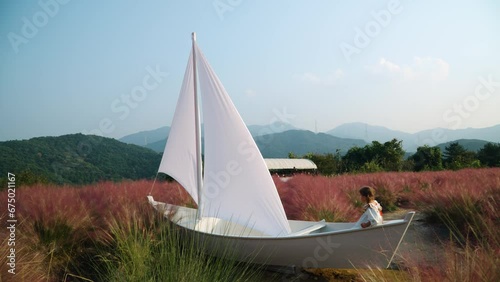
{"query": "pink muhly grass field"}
pixel 308 197
pixel 59 224
pixel 304 197
pixel 467 199
pixel 95 203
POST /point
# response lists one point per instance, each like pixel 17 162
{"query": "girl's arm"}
pixel 372 216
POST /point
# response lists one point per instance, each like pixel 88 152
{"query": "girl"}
pixel 373 210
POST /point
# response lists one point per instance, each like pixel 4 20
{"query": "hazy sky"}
pixel 116 67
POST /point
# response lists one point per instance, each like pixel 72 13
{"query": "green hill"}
pixel 144 138
pixel 301 142
pixel 77 159
pixel 473 145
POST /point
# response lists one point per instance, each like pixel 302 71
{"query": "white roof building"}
pixel 298 164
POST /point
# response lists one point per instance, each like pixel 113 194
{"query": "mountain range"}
pixel 80 159
pixel 145 138
pixel 301 142
pixel 278 139
pixel 411 141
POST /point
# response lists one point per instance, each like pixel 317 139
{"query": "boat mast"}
pixel 198 129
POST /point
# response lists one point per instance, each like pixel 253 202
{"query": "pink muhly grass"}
pixel 308 197
pixel 473 183
pixel 92 204
pixel 46 203
pixel 389 187
pixel 466 201
pixel 56 224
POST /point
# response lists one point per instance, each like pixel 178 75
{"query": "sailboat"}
pixel 237 201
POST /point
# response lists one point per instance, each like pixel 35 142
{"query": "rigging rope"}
pixel 152 186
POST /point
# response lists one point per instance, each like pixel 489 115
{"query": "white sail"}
pixel 237 184
pixel 179 157
pixel 239 202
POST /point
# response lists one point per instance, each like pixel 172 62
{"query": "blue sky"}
pixel 72 66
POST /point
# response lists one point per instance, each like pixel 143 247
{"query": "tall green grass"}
pixel 147 247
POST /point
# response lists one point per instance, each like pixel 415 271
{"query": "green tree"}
pixel 392 155
pixel 375 156
pixel 327 164
pixel 370 166
pixel 427 158
pixel 457 157
pixel 489 155
pixel 354 159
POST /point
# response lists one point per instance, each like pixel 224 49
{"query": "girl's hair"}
pixel 368 192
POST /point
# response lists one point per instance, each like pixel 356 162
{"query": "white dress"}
pixel 373 214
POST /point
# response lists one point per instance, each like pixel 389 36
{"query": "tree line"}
pixel 390 156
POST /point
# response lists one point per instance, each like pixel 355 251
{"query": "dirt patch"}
pixel 333 274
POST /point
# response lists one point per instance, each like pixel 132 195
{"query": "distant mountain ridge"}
pixel 411 142
pixel 156 139
pixel 275 127
pixel 301 142
pixel 468 144
pixel 367 132
pixel 146 137
pixel 442 135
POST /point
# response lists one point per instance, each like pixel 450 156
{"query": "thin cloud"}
pixel 427 68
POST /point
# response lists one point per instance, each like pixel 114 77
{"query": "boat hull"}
pixel 334 245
